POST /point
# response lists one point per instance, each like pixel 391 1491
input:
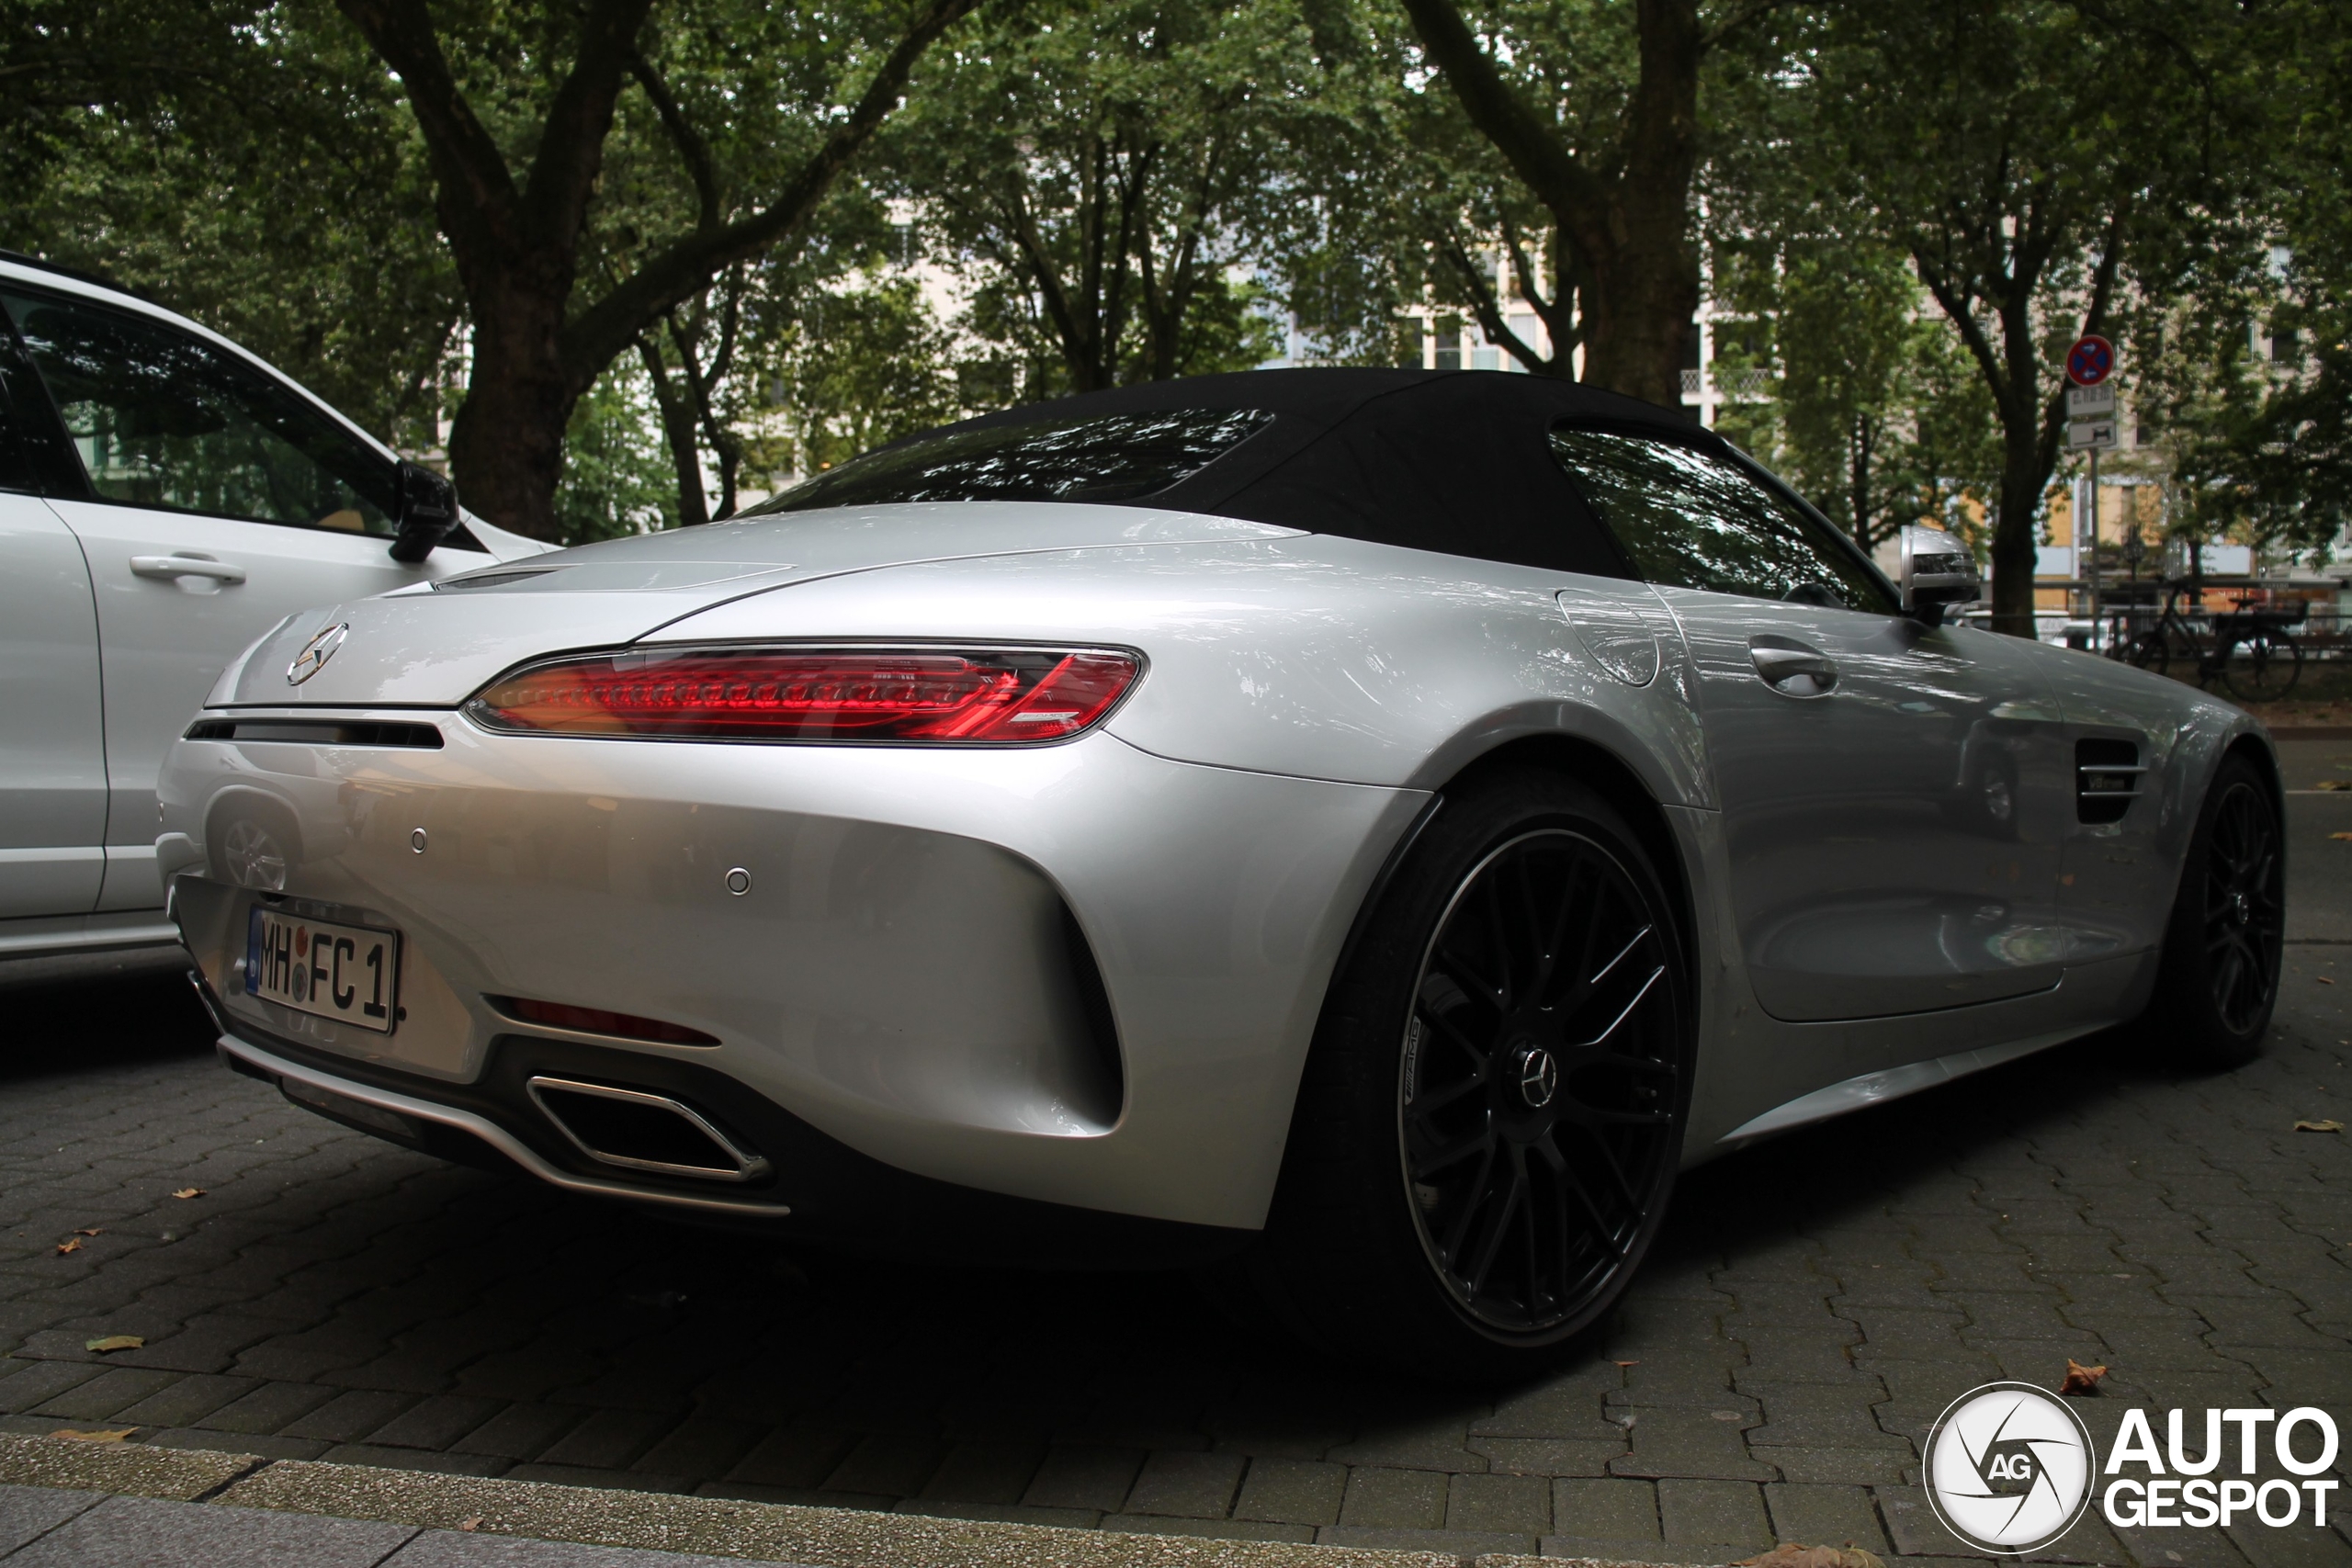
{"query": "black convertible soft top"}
pixel 1448 460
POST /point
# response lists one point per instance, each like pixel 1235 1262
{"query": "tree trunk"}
pixel 506 446
pixel 517 243
pixel 1626 232
pixel 678 430
pixel 1860 463
pixel 1638 319
pixel 2017 544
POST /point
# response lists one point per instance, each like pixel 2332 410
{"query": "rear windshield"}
pixel 1111 457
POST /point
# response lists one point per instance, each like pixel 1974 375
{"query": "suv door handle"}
pixel 1793 669
pixel 170 568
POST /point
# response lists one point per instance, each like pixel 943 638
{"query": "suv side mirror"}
pixel 429 510
pixel 1937 570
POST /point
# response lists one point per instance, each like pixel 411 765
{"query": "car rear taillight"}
pixel 986 696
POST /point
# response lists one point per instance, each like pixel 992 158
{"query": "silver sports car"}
pixel 1365 830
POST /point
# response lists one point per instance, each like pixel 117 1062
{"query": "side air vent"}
pixel 1108 1078
pixel 318 732
pixel 638 1131
pixel 2106 779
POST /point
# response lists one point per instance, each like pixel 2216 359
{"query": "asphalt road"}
pixel 1814 1304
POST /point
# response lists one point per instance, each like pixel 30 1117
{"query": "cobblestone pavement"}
pixel 1813 1306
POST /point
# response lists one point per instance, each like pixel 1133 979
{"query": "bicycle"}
pixel 2252 652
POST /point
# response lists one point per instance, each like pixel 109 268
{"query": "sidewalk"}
pixel 65 1502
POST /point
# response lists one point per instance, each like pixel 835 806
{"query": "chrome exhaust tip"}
pixel 638 1131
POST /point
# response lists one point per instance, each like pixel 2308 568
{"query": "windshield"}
pixel 1110 457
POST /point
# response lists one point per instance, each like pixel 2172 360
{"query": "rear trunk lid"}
pixel 434 645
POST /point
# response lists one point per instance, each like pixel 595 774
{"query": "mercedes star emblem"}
pixel 316 652
pixel 1539 1077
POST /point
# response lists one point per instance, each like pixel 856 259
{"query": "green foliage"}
pixel 246 165
pixel 861 367
pixel 1876 416
pixel 2261 446
pixel 617 480
pixel 1124 191
pixel 1110 171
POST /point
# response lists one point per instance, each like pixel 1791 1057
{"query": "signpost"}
pixel 2090 412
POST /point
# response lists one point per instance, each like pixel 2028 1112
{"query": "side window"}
pixel 1689 520
pixel 162 419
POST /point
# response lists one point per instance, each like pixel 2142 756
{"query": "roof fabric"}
pixel 1451 461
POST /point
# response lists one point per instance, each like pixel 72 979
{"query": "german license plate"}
pixel 349 974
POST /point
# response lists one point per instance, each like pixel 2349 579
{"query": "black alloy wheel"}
pixel 2244 906
pixel 1490 1118
pixel 2218 981
pixel 1539 1080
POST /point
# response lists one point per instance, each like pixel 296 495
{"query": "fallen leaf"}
pixel 114 1342
pixel 2346 835
pixel 1796 1554
pixel 1629 1363
pixel 470 1526
pixel 2335 784
pixel 91 1229
pixel 113 1435
pixel 2329 1126
pixel 71 1244
pixel 2081 1379
pixel 199 1191
pixel 2322 979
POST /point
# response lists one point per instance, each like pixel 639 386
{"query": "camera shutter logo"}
pixel 2009 1468
pixel 316 652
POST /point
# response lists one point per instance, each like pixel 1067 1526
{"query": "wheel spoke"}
pixel 1426 1105
pixel 1479 1188
pixel 1514 1197
pixel 1627 1011
pixel 1609 968
pixel 1498 943
pixel 1453 1155
pixel 1459 1036
pixel 1557 938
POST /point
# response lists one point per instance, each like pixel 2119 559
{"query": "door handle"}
pixel 1793 669
pixel 169 567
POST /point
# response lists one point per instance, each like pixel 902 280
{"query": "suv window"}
pixel 162 419
pixel 1691 520
pixel 1111 457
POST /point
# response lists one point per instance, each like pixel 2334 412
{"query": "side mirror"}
pixel 1937 570
pixel 429 510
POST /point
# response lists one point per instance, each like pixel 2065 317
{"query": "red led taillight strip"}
pixel 986 696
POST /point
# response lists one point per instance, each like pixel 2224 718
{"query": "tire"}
pixel 2222 947
pixel 2273 662
pixel 1482 1150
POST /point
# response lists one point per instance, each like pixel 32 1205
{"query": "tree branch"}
pixel 600 334
pixel 1575 199
pixel 571 140
pixel 692 148
pixel 1746 16
pixel 479 204
pixel 1483 305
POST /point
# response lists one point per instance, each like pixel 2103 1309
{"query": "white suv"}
pixel 165 498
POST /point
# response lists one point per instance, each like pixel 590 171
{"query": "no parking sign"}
pixel 2090 361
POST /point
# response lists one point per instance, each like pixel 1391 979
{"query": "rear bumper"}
pixel 911 974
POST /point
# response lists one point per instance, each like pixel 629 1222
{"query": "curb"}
pixel 765 1532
